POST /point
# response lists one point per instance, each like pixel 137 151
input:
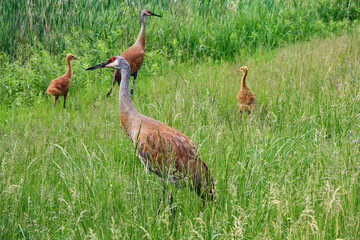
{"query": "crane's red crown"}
pixel 147 11
pixel 112 59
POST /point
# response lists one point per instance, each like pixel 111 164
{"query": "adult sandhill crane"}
pixel 60 86
pixel 135 54
pixel 167 152
pixel 246 98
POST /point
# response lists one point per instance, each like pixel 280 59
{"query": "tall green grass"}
pixel 37 35
pixel 288 171
pixel 219 29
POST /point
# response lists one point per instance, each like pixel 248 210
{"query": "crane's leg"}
pixel 170 199
pixel 55 99
pixel 117 78
pixel 170 203
pixel 163 194
pixel 250 109
pixel 134 79
pixel 113 83
pixel 65 96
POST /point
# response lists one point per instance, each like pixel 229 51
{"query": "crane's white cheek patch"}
pixel 111 65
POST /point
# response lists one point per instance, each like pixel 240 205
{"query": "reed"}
pixel 188 29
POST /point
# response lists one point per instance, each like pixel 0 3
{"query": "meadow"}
pixel 290 170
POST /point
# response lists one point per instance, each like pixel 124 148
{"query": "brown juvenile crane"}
pixel 167 152
pixel 246 98
pixel 135 54
pixel 60 86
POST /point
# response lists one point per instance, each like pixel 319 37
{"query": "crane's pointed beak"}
pixel 153 14
pixel 101 65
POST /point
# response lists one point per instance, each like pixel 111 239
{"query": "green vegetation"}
pixel 36 35
pixel 289 170
pixel 219 29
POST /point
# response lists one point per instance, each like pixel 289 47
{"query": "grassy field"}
pixel 290 170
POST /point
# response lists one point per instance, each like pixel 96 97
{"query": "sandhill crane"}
pixel 167 152
pixel 246 98
pixel 60 86
pixel 135 54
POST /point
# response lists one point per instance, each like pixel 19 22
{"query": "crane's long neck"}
pixel 68 72
pixel 141 38
pixel 128 111
pixel 243 81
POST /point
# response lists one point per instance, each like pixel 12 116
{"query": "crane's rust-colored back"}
pixel 170 154
pixel 59 86
pixel 135 57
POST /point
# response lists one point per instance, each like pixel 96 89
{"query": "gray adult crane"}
pixel 167 152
